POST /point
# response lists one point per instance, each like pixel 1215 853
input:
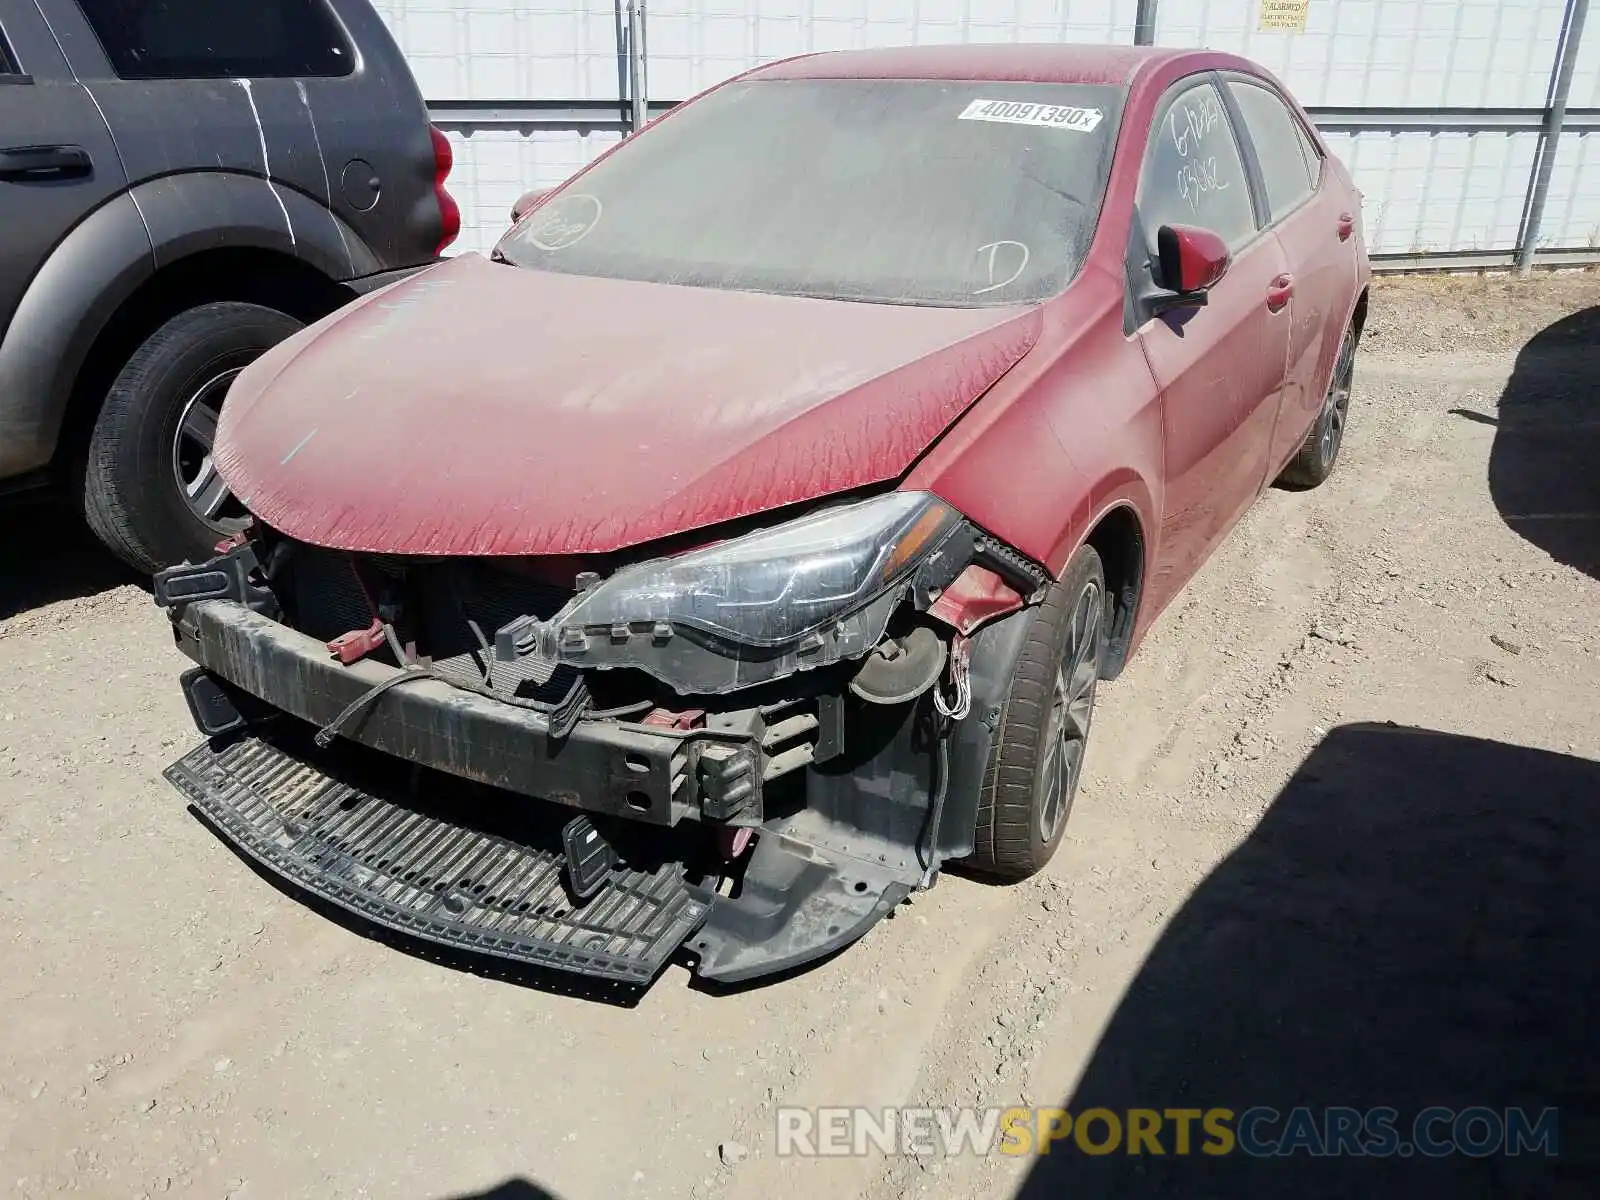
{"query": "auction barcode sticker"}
pixel 1022 112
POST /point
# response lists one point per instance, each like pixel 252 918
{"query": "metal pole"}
pixel 644 58
pixel 1555 117
pixel 619 21
pixel 1144 23
pixel 635 67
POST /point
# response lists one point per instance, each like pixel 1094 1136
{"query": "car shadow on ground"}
pixel 1544 470
pixel 1415 922
pixel 47 554
pixel 511 1189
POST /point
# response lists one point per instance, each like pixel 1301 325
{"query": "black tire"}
pixel 1319 453
pixel 1017 829
pixel 139 495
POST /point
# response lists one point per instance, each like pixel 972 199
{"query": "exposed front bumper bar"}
pixel 609 767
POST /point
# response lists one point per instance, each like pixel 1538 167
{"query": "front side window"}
pixel 899 191
pixel 1193 174
pixel 8 64
pixel 219 39
pixel 1278 142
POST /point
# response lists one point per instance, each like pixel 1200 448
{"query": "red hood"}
pixel 485 409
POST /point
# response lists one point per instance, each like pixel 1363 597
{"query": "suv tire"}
pixel 150 491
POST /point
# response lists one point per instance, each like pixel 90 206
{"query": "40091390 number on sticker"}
pixel 1019 112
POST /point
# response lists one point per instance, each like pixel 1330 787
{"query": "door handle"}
pixel 1279 291
pixel 1347 226
pixel 22 164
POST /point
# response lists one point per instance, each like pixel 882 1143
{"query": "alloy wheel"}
pixel 202 488
pixel 1071 710
pixel 1336 406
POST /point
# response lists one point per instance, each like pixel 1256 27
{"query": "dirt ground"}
pixel 1274 885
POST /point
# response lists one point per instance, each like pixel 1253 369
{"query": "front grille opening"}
pixel 450 608
pixel 446 609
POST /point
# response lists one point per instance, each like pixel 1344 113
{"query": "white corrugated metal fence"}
pixel 1436 105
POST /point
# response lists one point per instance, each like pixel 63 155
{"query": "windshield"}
pixel 898 191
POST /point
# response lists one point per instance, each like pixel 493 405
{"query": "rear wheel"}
pixel 1314 461
pixel 1037 759
pixel 151 489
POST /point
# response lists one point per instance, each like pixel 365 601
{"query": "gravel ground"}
pixel 1273 884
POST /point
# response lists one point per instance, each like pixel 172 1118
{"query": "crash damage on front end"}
pixel 752 751
pixel 619 648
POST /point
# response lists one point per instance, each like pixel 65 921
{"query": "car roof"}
pixel 1033 63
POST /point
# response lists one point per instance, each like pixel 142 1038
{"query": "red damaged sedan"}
pixel 743 540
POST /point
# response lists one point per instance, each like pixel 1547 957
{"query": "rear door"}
pixel 1312 220
pixel 1219 367
pixel 57 161
pixel 190 85
pixel 311 96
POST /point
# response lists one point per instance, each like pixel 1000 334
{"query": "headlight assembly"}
pixel 801 594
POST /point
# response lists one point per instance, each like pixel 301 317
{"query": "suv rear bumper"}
pixel 371 283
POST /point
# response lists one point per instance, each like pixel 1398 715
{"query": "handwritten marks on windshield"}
pixel 563 222
pixel 1195 122
pixel 1006 262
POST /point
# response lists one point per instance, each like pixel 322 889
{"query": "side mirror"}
pixel 526 201
pixel 1189 260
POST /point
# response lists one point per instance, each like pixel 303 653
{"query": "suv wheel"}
pixel 151 492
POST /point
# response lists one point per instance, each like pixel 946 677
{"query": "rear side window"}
pixel 8 65
pixel 1279 145
pixel 1309 151
pixel 219 39
pixel 1193 174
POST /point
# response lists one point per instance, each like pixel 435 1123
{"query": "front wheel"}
pixel 1038 752
pixel 151 491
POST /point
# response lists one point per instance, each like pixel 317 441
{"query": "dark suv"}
pixel 184 183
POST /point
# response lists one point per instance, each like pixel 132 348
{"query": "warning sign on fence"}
pixel 1288 15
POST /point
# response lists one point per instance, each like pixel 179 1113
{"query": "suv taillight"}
pixel 449 211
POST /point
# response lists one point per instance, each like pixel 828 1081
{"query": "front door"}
pixel 1220 367
pixel 57 164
